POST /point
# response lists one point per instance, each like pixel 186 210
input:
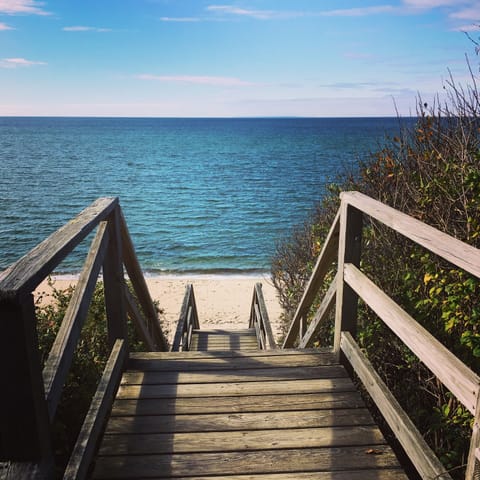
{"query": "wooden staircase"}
pixel 279 414
pixel 221 404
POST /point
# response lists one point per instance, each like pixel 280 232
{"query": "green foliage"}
pixel 88 364
pixel 431 172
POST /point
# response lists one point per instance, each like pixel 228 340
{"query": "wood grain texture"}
pixel 405 431
pixel 248 375
pixel 325 307
pixel 140 287
pixel 61 354
pixel 88 437
pixel 327 256
pixel 271 421
pixel 141 362
pixel 232 389
pixel 234 463
pixel 240 421
pixel 349 250
pixel 384 474
pixel 226 405
pixel 243 440
pixel 451 371
pixel 26 274
pixel 455 251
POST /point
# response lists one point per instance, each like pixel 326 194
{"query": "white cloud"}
pixel 469 13
pixel 18 62
pixel 28 7
pixel 428 4
pixel 81 28
pixel 4 26
pixel 358 12
pixel 180 19
pixel 197 79
pixel 256 14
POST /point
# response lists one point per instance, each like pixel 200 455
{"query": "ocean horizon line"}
pixel 170 273
pixel 249 117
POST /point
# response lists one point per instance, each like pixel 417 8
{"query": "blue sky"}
pixel 238 58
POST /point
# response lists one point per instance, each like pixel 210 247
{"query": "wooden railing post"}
pixel 349 250
pixel 114 282
pixel 24 422
pixel 473 465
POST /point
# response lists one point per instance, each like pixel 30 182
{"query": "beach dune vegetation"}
pixel 431 172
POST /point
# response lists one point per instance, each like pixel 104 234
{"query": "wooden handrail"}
pixel 260 321
pixel 139 285
pixel 32 397
pixel 451 249
pixel 60 357
pixel 187 322
pixel 24 276
pixel 351 284
pixel 325 260
pixel 451 371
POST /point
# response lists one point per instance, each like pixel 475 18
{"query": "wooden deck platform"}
pixel 281 414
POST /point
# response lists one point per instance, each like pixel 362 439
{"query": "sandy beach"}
pixel 223 301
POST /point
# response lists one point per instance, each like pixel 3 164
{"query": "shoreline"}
pixel 223 300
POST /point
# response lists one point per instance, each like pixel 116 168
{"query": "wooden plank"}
pixel 455 251
pixel 267 461
pixel 232 389
pixel 26 274
pixel 325 259
pixel 473 467
pixel 383 474
pixel 349 250
pixel 140 285
pixel 258 331
pixel 141 325
pixel 263 314
pixel 248 440
pixel 114 282
pixel 87 440
pixel 24 421
pixel 221 363
pixel 221 355
pixel 226 405
pixel 60 357
pixel 405 431
pixel 240 421
pixel 456 376
pixel 251 375
pixel 221 331
pixel 323 310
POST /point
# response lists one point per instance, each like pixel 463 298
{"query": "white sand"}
pixel 223 301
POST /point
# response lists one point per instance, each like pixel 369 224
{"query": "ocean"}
pixel 199 195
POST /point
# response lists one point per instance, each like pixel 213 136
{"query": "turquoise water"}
pixel 199 195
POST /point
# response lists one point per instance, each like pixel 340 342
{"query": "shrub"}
pixel 89 361
pixel 431 172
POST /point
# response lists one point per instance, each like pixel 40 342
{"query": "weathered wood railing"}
pixel 187 322
pixel 260 321
pixel 343 245
pixel 29 396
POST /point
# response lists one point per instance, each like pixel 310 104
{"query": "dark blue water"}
pixel 198 194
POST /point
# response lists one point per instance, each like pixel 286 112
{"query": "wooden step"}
pixel 224 340
pixel 242 416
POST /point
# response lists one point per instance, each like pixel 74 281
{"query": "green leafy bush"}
pixel 431 172
pixel 91 355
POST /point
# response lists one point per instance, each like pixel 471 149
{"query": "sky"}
pixel 203 58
